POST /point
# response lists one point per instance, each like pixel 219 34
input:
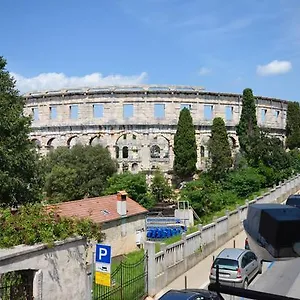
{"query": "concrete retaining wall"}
pixel 59 272
pixel 175 259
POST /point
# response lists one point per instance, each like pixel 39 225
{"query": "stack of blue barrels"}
pixel 164 232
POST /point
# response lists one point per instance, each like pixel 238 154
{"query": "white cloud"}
pixel 204 71
pixel 275 67
pixel 57 81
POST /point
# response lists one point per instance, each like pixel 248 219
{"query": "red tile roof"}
pixel 99 209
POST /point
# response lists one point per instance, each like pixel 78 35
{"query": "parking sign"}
pixel 103 254
pixel 103 264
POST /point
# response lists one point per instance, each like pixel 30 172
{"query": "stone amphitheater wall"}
pixel 137 124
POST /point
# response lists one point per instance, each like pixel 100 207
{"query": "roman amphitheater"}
pixel 137 124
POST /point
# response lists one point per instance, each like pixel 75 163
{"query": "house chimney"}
pixel 122 203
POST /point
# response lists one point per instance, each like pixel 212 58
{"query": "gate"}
pixel 16 285
pixel 128 282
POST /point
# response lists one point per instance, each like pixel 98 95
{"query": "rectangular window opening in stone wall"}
pixel 35 113
pixel 208 112
pixel 277 114
pixel 188 106
pixel 53 112
pixel 127 111
pixel 159 110
pixel 229 113
pixel 263 115
pixel 73 112
pixel 98 111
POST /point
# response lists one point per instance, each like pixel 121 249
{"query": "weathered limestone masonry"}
pixel 174 260
pixel 60 272
pixel 137 124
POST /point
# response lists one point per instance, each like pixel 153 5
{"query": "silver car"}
pixel 237 267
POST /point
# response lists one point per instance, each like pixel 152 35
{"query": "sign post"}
pixel 103 265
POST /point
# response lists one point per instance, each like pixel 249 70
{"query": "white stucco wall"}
pixel 121 234
pixel 60 271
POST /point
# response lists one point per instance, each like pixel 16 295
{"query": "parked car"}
pixel 293 200
pixel 237 267
pixel 190 294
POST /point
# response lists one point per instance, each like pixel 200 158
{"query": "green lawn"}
pixel 127 278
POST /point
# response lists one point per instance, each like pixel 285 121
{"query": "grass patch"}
pixel 127 278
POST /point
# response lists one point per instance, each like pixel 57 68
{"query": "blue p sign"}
pixel 103 253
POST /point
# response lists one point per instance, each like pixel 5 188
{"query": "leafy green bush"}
pixel 34 224
pixel 134 184
pixel 245 181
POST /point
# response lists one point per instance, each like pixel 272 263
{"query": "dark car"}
pixel 190 294
pixel 293 200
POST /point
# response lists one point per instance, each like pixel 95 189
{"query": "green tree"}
pixel 77 172
pixel 185 148
pixel 160 188
pixel 134 184
pixel 219 149
pixel 247 127
pixel 293 125
pixel 268 152
pixel 19 169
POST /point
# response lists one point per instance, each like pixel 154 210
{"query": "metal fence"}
pixel 128 282
pixel 16 286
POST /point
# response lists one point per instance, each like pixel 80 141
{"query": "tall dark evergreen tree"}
pixel 19 180
pixel 219 149
pixel 185 148
pixel 247 128
pixel 293 125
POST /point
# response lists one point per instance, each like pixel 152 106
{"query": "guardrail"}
pixel 175 259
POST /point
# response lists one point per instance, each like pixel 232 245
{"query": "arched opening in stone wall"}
pixel 232 142
pixel 134 168
pixel 125 152
pixel 95 140
pixel 50 143
pixel 117 152
pixel 37 143
pixel 125 167
pixel 72 141
pixel 163 144
pixel 17 285
pixel 202 151
pixel 155 151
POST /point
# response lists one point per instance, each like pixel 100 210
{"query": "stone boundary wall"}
pixel 175 259
pixel 59 272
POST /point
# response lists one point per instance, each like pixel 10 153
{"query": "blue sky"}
pixel 221 45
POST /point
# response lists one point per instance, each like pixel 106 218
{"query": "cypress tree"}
pixel 19 178
pixel 185 148
pixel 293 125
pixel 219 149
pixel 247 128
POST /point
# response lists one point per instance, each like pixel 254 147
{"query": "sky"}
pixel 223 46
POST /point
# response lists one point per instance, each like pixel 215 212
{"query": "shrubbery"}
pixel 33 224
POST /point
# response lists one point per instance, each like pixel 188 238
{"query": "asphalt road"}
pixel 282 278
pixel 279 278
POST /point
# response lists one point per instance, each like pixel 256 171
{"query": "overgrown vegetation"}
pixel 261 163
pixel 32 224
